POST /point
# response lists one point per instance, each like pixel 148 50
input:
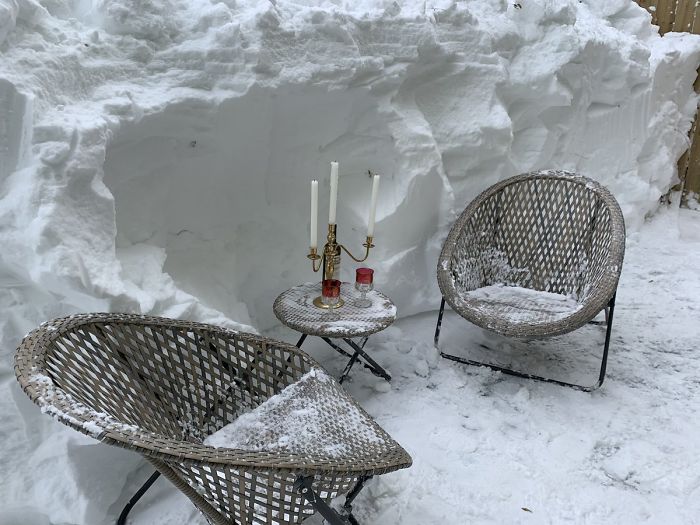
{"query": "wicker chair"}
pixel 160 387
pixel 549 231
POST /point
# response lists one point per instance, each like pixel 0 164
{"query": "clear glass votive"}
pixel 364 282
pixel 330 292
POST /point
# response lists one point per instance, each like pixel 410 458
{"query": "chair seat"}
pixel 548 230
pixel 313 418
pixel 517 305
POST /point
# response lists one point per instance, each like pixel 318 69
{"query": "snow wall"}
pixel 155 156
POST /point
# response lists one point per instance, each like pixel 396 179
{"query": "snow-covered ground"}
pixel 487 448
pixel 155 158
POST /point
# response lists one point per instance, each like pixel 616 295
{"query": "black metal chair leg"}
pixel 508 371
pixel 136 497
pixel 438 326
pixel 301 340
pixel 608 331
pixel 347 506
pixel 303 485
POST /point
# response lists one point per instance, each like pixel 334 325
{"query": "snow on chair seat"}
pixel 518 305
pixel 536 255
pixel 250 429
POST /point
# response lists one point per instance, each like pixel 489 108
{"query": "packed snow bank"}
pixel 155 155
pixel 159 153
pixel 222 188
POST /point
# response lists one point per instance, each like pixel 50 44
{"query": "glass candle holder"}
pixel 364 282
pixel 330 293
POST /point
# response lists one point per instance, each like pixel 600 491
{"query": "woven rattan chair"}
pixel 160 387
pixel 550 231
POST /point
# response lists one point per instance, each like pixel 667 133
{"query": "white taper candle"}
pixel 313 243
pixel 334 193
pixel 373 206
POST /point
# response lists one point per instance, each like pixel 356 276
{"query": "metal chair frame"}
pixel 609 311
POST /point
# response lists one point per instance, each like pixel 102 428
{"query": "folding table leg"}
pixel 351 362
pixel 348 367
pixel 337 348
pixel 371 364
pixel 358 355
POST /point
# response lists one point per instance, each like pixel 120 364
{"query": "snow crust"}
pixel 155 158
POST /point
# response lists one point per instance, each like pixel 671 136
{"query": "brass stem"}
pixel 332 250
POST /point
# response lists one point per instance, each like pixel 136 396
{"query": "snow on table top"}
pixel 312 417
pixel 521 305
pixel 295 309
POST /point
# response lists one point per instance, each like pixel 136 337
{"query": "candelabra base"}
pixel 318 303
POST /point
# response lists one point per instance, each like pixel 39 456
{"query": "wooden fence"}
pixel 681 15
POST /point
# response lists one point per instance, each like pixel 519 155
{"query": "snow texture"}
pixel 155 158
pixel 522 305
pixel 299 420
pixel 94 422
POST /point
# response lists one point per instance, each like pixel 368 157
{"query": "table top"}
pixel 295 309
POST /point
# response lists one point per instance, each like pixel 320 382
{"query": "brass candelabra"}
pixel 330 260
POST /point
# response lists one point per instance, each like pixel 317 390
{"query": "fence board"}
pixel 685 16
pixel 666 13
pixel 692 178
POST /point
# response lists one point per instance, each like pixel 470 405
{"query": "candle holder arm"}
pixel 315 257
pixel 368 246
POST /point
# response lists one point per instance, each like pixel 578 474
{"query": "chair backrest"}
pixel 551 231
pixel 177 379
